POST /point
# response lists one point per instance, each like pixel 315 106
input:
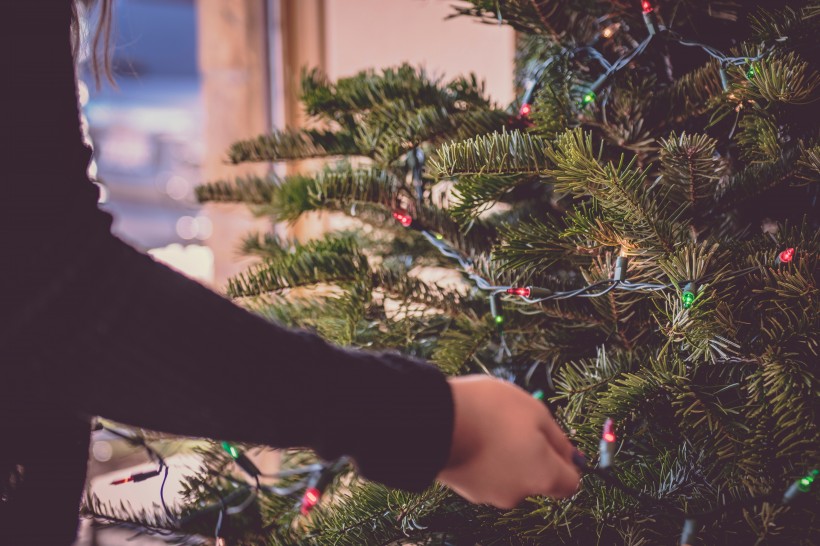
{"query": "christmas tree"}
pixel 635 242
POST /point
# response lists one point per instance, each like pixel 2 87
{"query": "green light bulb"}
pixel 439 236
pixel 499 319
pixel 688 295
pixel 750 73
pixel 804 484
pixel 588 97
pixel 538 395
pixel 232 451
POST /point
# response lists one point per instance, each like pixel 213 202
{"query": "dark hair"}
pixel 100 58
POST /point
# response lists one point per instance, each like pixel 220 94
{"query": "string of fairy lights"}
pixel 533 294
pixel 320 475
pixel 317 477
pixel 537 294
pixel 656 32
pixel 692 521
pixel 618 281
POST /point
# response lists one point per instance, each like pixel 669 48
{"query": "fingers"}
pixel 563 480
pixel 556 436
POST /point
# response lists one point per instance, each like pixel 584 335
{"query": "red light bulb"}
pixel 310 499
pixel 524 292
pixel 647 7
pixel 122 481
pixel 786 256
pixel 525 110
pixel 609 431
pixel 403 218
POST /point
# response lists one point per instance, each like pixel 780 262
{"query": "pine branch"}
pixel 330 260
pixel 547 17
pixel 142 521
pixel 474 194
pixel 758 138
pixel 627 116
pixel 690 169
pixel 397 127
pixel 400 284
pixel 251 190
pixel 691 95
pixel 472 240
pixel 532 246
pixel 553 109
pixel 576 381
pixel 334 188
pixel 265 245
pixel 508 153
pixel 785 78
pixel 755 179
pixel 291 144
pixel 368 90
pixel 808 166
pixel 459 344
pixel 370 513
pixel 619 187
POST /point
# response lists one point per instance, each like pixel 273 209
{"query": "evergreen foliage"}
pixel 692 168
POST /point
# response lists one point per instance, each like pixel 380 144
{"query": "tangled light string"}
pixel 656 31
pixel 536 294
pixel 317 478
pixel 692 521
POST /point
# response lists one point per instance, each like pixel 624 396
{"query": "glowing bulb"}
pixel 588 98
pixel 646 6
pixel 609 31
pixel 804 484
pixel 524 292
pixel 606 447
pixel 310 499
pixel 786 256
pixel 538 395
pixel 750 73
pixel 609 431
pixel 499 319
pixel 525 110
pixel 403 218
pixel 688 295
pixel 232 451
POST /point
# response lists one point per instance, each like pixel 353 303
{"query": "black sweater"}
pixel 89 326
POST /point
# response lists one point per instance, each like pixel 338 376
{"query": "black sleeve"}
pixel 105 330
pixel 130 339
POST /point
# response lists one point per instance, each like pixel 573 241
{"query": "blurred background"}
pixel 193 76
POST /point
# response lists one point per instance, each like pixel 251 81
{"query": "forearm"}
pixel 144 345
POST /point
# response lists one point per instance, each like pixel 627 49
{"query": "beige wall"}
pixel 343 37
pixel 339 36
pixel 233 61
pixel 364 34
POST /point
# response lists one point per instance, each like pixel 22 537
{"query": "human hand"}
pixel 506 445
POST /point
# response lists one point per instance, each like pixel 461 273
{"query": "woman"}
pixel 92 327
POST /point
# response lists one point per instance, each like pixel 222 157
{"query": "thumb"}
pixel 555 436
pixel 559 478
